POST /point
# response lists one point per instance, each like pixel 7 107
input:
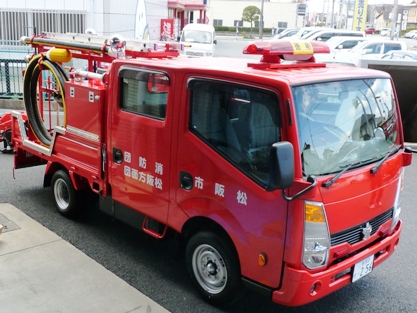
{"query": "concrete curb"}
pixel 11 104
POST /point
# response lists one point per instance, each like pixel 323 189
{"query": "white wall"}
pixel 107 17
pixel 110 17
pixel 46 4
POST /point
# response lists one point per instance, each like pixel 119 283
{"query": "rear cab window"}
pixel 391 46
pixel 144 92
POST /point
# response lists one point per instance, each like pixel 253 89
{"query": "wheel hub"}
pixel 211 268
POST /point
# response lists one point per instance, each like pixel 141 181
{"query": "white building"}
pixel 129 18
pixel 275 14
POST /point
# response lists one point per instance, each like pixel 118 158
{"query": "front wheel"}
pixel 65 195
pixel 214 267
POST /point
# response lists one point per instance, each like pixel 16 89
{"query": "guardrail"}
pixel 11 78
pixel 12 65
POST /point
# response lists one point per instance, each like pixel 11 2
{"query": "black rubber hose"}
pixel 30 94
pixel 36 118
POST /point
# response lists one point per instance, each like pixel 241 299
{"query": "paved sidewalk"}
pixel 40 272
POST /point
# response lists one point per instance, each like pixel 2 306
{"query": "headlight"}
pixel 316 236
pixel 397 202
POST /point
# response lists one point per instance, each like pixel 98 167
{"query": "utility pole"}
pixel 261 20
pixel 394 20
pixel 332 19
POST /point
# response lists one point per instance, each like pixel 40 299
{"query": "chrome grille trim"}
pixel 354 235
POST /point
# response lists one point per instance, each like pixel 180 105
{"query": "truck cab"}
pixel 199 40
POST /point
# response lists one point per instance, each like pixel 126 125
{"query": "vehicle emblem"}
pixel 366 231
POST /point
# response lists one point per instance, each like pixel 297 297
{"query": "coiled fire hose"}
pixel 30 94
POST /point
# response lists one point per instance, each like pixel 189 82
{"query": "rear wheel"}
pixel 65 196
pixel 7 142
pixel 214 267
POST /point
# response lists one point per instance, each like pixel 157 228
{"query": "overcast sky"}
pixel 318 5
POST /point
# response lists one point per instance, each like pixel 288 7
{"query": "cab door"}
pixel 140 141
pixel 223 168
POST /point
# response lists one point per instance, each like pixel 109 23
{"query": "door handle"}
pixel 186 180
pixel 117 156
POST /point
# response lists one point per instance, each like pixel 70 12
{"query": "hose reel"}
pixel 33 72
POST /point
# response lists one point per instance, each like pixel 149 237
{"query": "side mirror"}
pixel 215 41
pixel 282 165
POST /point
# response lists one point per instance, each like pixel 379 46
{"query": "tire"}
pixel 7 142
pixel 214 267
pixel 66 198
pixel 8 139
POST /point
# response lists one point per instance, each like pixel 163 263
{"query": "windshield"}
pixel 307 35
pixel 333 40
pixel 347 123
pixel 359 46
pixel 197 36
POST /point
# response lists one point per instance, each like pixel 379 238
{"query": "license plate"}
pixel 363 268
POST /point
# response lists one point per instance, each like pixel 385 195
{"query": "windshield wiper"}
pixel 331 181
pixel 387 154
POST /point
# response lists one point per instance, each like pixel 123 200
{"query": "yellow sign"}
pixel 302 47
pixel 359 16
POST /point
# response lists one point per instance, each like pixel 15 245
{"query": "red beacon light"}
pixel 301 51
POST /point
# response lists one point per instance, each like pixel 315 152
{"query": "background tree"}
pixel 251 14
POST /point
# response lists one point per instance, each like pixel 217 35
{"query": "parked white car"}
pixel 344 42
pixel 339 44
pixel 371 48
pixel 289 32
pixel 385 32
pixel 305 31
pixel 411 34
pixel 325 35
pixel 199 40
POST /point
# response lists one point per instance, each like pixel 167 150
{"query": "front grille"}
pixel 354 235
pixel 194 53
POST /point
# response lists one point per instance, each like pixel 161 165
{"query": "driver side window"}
pixel 240 123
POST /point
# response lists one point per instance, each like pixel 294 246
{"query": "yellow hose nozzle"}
pixel 59 55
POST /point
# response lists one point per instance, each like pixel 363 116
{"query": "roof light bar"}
pixel 292 50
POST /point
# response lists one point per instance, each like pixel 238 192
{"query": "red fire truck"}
pixel 282 174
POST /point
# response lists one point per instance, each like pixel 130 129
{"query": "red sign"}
pixel 167 29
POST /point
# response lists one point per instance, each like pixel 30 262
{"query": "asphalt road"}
pixel 152 267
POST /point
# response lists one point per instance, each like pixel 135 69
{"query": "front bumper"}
pixel 301 287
